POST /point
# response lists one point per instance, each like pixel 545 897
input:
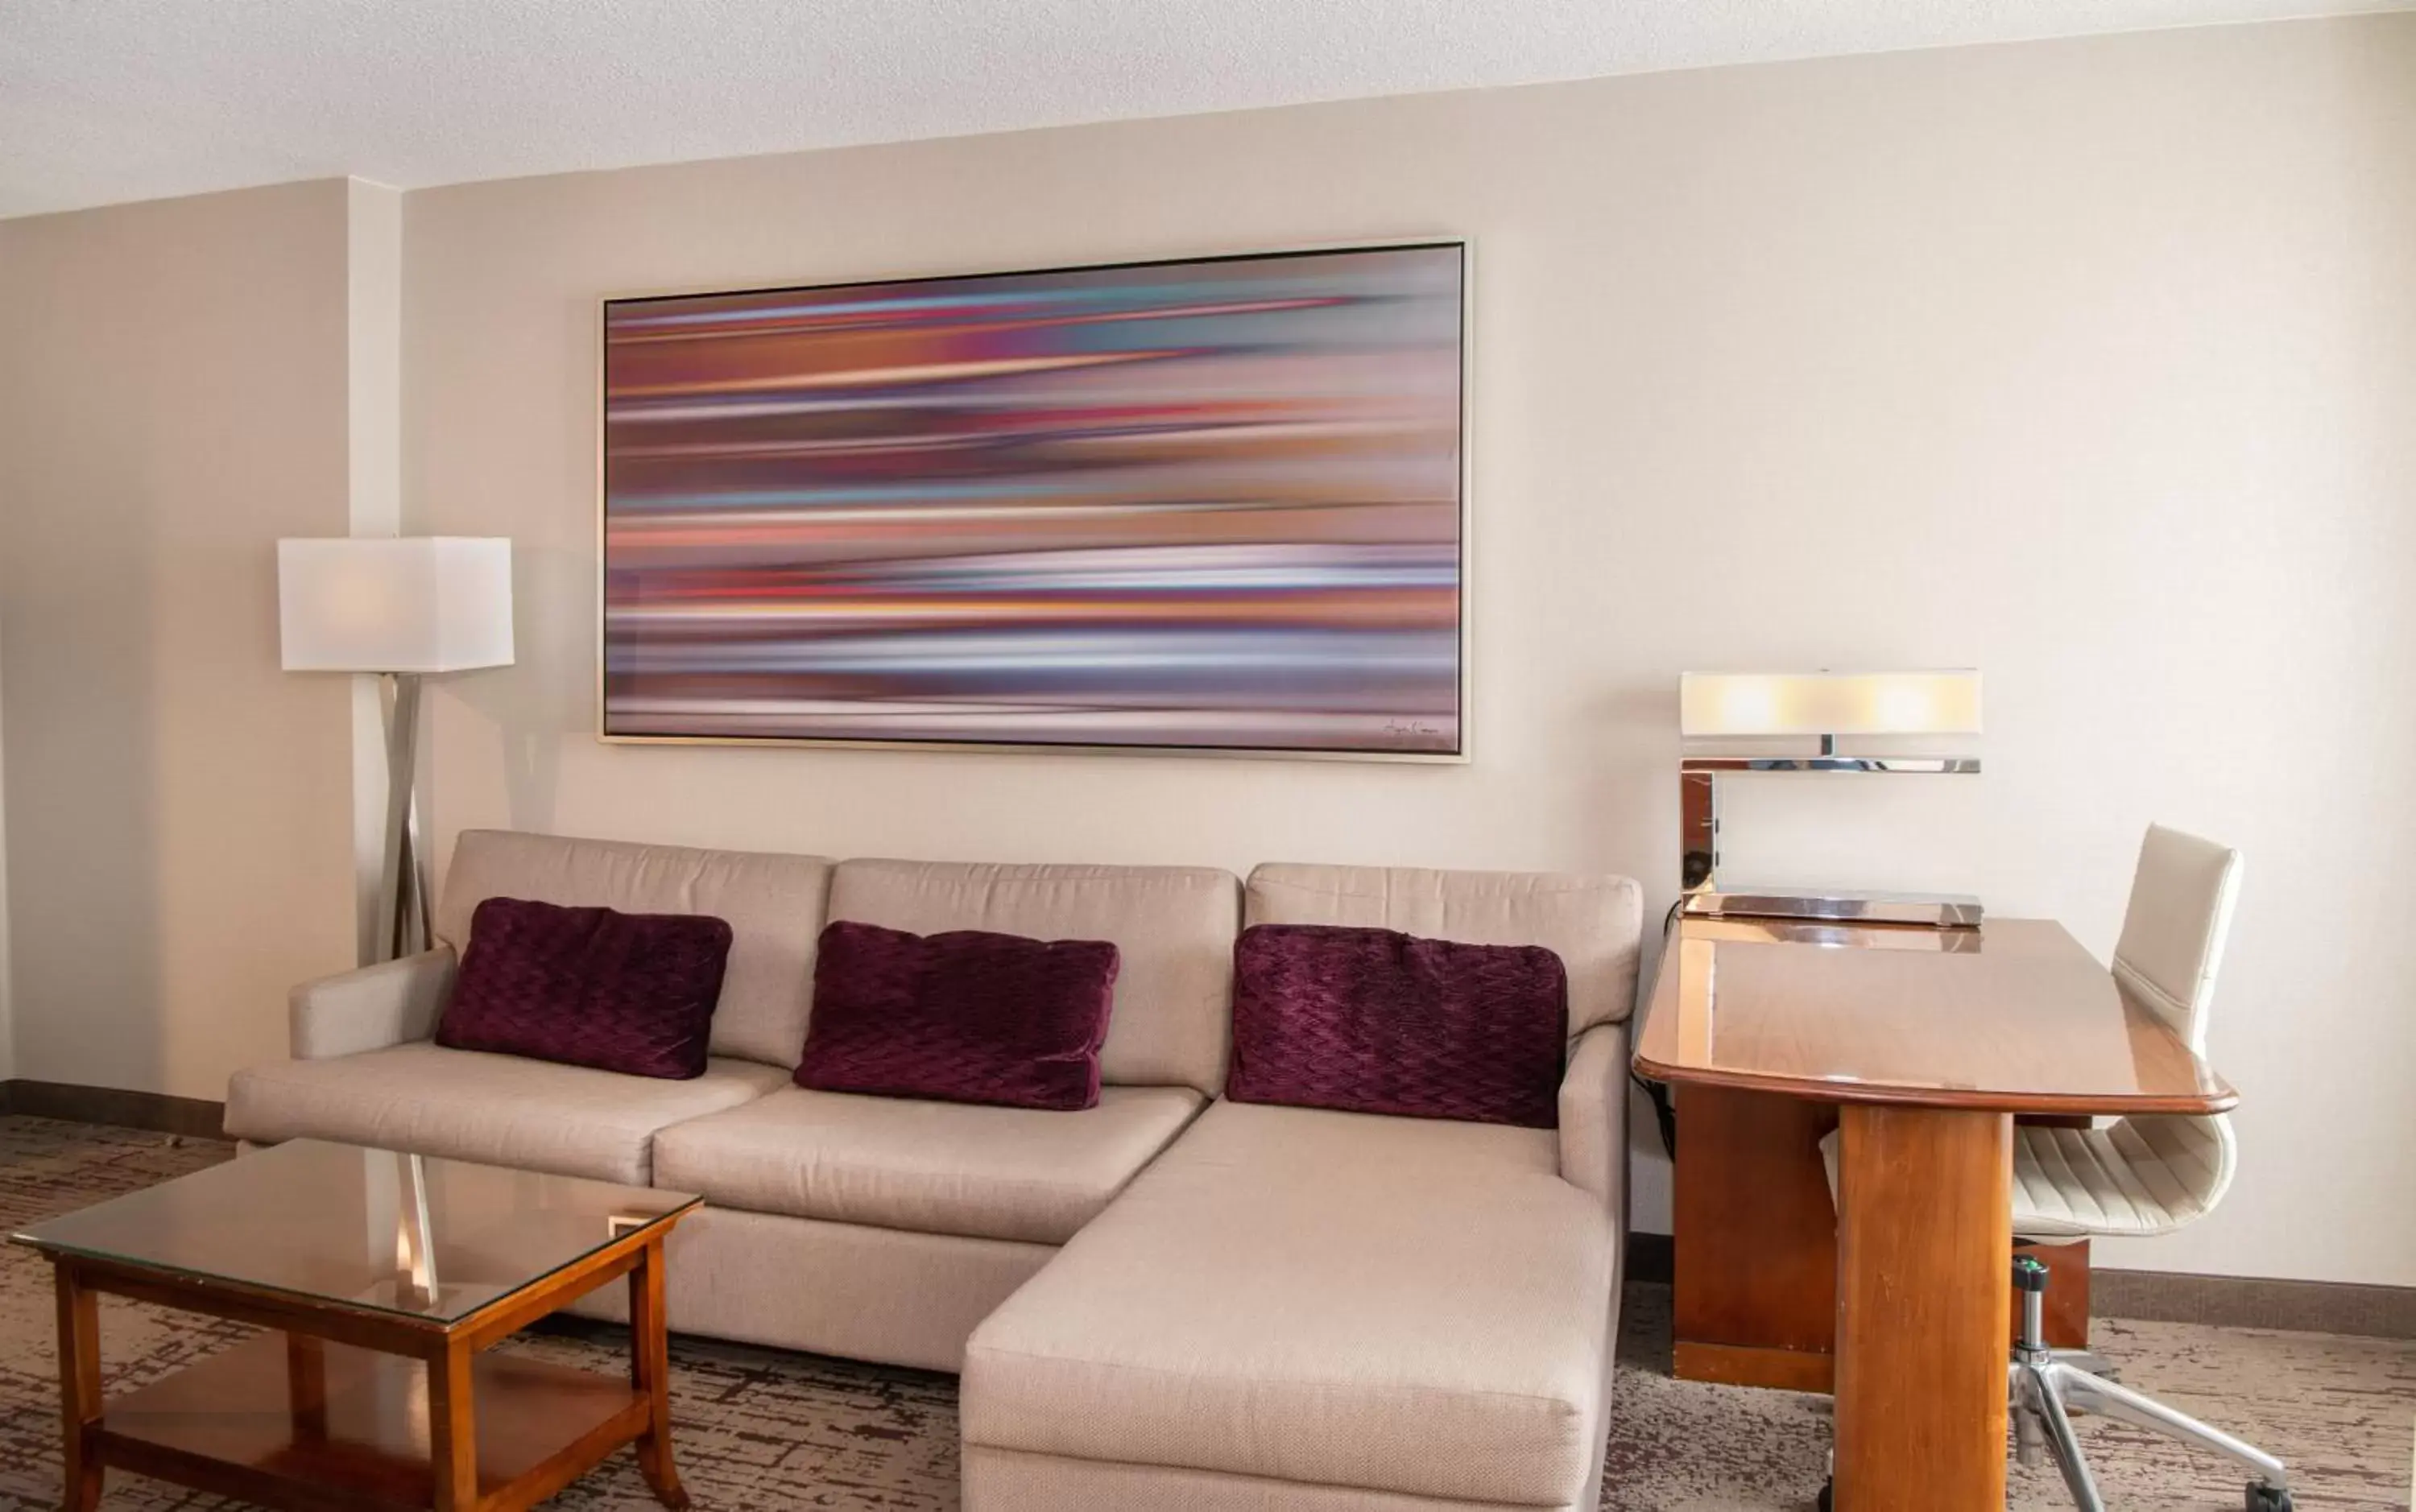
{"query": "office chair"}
pixel 2141 1175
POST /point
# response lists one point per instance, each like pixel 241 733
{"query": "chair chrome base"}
pixel 2049 1385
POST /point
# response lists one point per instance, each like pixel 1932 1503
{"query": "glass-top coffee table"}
pixel 380 1279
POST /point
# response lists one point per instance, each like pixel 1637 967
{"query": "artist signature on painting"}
pixel 1412 729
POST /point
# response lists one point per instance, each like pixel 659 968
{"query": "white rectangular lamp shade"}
pixel 1828 703
pixel 421 604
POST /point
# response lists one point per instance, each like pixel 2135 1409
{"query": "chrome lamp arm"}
pixel 1698 834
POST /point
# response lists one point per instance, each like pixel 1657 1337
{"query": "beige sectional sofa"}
pixel 1167 1300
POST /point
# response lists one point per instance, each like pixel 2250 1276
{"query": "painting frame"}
pixel 1464 681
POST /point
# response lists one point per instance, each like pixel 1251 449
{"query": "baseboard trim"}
pixel 2176 1297
pixel 2256 1302
pixel 1728 1365
pixel 192 1118
pixel 2145 1296
pixel 1651 1257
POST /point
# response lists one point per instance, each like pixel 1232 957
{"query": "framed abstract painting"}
pixel 1215 505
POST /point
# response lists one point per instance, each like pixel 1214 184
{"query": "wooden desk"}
pixel 1928 1041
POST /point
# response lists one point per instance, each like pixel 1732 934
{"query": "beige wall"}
pixel 171 400
pixel 374 389
pixel 7 1017
pixel 2089 364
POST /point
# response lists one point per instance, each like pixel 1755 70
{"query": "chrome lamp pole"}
pixel 403 897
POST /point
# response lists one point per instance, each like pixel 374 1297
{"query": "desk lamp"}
pixel 1751 705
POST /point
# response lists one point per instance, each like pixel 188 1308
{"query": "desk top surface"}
pixel 2014 1016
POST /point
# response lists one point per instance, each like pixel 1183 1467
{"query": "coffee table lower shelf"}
pixel 293 1422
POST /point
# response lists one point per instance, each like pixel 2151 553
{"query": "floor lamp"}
pixel 405 609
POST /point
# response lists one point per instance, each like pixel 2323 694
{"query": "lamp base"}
pixel 1951 911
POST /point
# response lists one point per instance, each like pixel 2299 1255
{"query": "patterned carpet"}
pixel 762 1430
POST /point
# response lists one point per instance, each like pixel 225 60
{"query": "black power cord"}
pixel 1665 1112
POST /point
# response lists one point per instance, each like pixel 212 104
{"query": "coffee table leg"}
pixel 305 1385
pixel 650 1374
pixel 453 1428
pixel 78 1389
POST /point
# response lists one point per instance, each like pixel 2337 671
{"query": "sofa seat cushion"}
pixel 1395 1305
pixel 499 1109
pixel 959 1168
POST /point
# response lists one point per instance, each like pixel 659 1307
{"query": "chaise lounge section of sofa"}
pixel 1303 1307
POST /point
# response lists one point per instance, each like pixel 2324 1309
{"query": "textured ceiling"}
pixel 108 100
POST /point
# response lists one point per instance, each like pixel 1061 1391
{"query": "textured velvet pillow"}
pixel 631 992
pixel 1375 1021
pixel 967 1016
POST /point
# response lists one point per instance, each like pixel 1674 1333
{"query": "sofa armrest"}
pixel 1594 1118
pixel 391 1003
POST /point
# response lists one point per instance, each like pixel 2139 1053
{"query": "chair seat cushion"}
pixel 471 1105
pixel 1393 1305
pixel 2139 1177
pixel 959 1168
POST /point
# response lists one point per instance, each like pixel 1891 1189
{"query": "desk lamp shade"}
pixel 425 603
pixel 1713 704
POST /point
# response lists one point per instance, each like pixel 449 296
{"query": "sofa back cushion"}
pixel 627 993
pixel 1173 927
pixel 773 904
pixel 1594 924
pixel 1365 1020
pixel 966 1015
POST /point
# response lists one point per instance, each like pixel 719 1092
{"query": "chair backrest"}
pixel 2173 931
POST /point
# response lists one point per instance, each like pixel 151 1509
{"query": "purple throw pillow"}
pixel 966 1016
pixel 633 993
pixel 1375 1021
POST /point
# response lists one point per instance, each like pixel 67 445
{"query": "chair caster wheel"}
pixel 1829 1493
pixel 2261 1498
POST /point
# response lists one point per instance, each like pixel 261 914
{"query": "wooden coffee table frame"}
pixel 254 1422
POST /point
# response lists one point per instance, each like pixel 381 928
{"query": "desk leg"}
pixel 1756 1302
pixel 1923 1244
